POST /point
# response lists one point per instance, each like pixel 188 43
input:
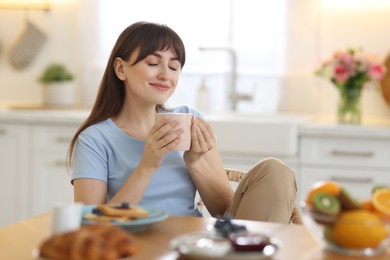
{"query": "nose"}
pixel 163 73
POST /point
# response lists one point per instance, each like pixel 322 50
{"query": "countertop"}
pixel 39 115
pixel 318 125
pixel 326 126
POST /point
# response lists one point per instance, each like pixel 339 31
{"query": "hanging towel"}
pixel 27 46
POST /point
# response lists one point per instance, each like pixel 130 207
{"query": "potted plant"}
pixel 58 85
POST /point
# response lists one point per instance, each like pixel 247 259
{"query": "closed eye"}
pixel 156 64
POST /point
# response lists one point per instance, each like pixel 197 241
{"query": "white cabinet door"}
pixel 51 180
pixel 51 183
pixel 14 174
pixel 359 183
pixel 357 163
pixel 345 152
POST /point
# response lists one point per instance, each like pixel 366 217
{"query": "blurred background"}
pixel 278 45
pixel 266 51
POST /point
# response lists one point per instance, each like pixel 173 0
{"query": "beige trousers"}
pixel 266 193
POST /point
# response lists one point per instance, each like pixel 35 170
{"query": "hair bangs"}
pixel 157 37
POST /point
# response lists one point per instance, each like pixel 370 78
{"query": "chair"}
pixel 237 176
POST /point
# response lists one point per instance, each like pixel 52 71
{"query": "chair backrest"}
pixel 234 175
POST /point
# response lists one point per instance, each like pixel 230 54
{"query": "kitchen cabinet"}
pixel 33 149
pixel 357 157
pixel 14 170
pixel 51 181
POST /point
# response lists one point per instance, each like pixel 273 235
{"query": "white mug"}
pixel 184 123
pixel 66 218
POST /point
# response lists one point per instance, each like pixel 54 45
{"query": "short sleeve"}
pixel 90 159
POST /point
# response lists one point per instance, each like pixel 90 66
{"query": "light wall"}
pixel 316 29
pixel 61 25
pixel 356 23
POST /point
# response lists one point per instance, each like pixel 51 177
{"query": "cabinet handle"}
pixel 63 139
pixel 2 131
pixel 352 153
pixel 349 179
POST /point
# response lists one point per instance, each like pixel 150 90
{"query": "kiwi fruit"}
pixel 327 204
pixel 347 201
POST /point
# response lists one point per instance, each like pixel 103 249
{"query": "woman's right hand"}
pixel 159 142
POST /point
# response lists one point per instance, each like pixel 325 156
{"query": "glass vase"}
pixel 349 107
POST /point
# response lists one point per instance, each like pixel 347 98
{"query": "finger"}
pixel 201 144
pixel 171 145
pixel 168 139
pixel 201 138
pixel 206 130
pixel 194 136
pixel 206 136
pixel 211 132
pixel 165 128
pixel 205 144
pixel 160 121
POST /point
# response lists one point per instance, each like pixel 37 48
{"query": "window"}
pixel 254 29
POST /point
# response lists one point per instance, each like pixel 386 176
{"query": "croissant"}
pixel 94 242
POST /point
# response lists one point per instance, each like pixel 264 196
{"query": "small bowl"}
pixel 320 227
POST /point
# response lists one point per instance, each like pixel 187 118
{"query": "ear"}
pixel 119 68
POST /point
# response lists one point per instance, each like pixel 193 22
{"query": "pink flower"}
pixel 354 66
pixel 376 72
pixel 341 73
pixel 345 58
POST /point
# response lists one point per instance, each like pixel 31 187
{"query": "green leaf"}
pixel 55 73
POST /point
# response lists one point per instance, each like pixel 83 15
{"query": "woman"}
pixel 121 154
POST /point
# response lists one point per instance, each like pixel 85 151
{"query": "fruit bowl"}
pixel 356 232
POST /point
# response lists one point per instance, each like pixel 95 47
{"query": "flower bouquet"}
pixel 350 70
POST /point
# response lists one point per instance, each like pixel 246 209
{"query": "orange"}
pixel 358 229
pixel 323 186
pixel 367 204
pixel 381 201
pixel 384 217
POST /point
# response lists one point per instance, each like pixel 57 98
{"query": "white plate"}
pixel 155 215
pixel 181 244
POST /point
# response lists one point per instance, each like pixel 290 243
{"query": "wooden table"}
pixel 17 241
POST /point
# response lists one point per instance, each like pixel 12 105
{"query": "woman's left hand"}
pixel 202 140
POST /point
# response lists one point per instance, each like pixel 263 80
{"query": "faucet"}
pixel 233 96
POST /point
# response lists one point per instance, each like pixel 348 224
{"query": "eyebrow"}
pixel 159 56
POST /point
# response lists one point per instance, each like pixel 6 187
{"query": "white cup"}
pixel 66 218
pixel 184 123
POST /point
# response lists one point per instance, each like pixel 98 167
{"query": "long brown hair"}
pixel 145 37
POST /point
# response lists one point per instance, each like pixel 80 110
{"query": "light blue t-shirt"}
pixel 105 152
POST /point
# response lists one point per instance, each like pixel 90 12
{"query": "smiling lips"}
pixel 160 87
